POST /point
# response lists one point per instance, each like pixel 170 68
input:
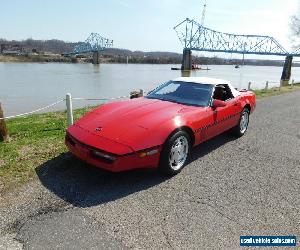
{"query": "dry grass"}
pixel 8 59
pixel 35 58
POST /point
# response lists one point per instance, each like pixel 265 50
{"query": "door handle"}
pixel 236 103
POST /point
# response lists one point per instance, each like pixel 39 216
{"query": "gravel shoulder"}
pixel 232 187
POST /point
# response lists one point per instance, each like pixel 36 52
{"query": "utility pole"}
pixel 203 13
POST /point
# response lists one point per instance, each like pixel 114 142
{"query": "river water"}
pixel 28 86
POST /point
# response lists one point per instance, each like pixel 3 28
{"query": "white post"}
pixel 69 109
pixel 249 85
pixel 141 92
pixel 267 86
pixel 293 82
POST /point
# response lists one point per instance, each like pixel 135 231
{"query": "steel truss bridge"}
pixel 194 36
pixel 94 43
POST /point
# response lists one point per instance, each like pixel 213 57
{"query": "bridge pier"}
pixel 186 60
pixel 2 47
pixel 286 72
pixel 96 57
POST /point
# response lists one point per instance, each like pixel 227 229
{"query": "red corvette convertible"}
pixel 160 129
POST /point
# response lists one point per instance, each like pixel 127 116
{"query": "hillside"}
pixel 112 55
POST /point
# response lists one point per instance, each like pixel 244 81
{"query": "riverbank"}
pixel 36 58
pixel 57 58
pixel 135 58
pixel 39 138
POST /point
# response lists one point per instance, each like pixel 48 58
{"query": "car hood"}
pixel 126 120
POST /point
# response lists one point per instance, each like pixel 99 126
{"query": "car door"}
pixel 223 118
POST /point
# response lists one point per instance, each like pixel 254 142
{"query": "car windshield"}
pixel 187 93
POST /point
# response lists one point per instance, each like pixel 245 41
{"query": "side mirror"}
pixel 218 103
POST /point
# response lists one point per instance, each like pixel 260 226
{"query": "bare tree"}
pixel 295 30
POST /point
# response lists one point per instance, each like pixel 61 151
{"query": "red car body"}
pixel 130 134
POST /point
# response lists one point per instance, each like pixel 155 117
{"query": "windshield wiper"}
pixel 184 103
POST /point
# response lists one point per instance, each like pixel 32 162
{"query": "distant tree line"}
pixel 31 45
pixel 115 55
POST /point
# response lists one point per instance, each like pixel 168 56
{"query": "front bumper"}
pixel 109 161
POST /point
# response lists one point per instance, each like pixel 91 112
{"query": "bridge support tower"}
pixel 96 57
pixel 186 60
pixel 2 47
pixel 286 72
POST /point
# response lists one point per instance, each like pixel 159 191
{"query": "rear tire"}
pixel 175 153
pixel 242 126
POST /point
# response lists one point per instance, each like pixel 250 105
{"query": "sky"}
pixel 145 25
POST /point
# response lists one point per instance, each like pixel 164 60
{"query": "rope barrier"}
pixel 86 99
pixel 62 100
pixel 100 99
pixel 273 82
pixel 34 111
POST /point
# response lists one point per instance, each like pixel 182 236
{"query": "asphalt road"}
pixel 232 187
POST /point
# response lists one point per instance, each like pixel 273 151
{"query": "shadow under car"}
pixel 83 185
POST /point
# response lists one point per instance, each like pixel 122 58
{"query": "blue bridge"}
pixel 194 36
pixel 93 44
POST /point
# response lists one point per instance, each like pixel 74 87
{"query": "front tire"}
pixel 242 126
pixel 175 153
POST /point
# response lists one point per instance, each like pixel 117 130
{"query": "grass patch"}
pixel 275 91
pixel 34 140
